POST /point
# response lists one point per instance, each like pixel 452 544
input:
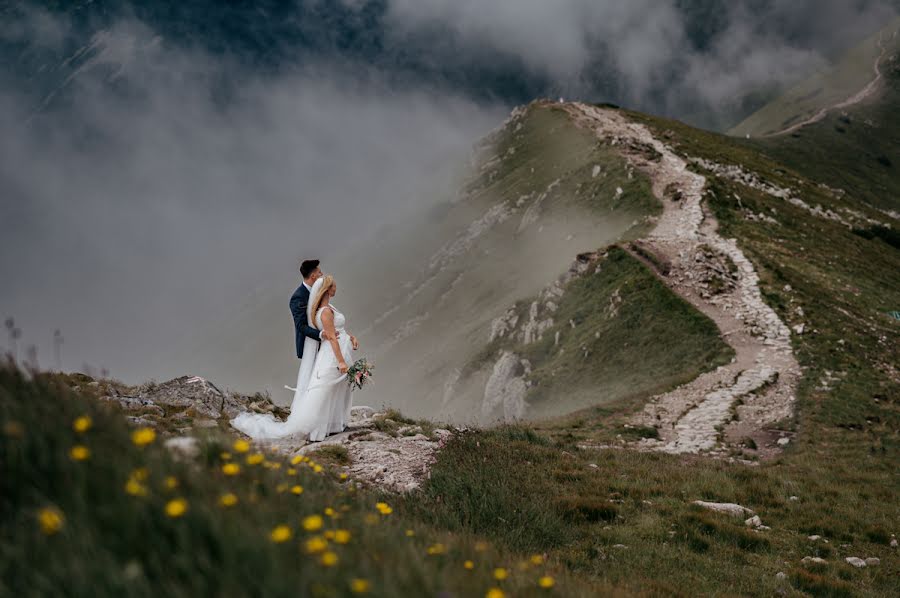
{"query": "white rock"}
pixel 784 441
pixel 856 561
pixel 813 559
pixel 592 465
pixel 780 575
pixel 894 543
pixel 754 521
pixel 794 498
pixel 872 561
pixel 813 538
pixel 361 412
pixel 185 446
pixel 729 508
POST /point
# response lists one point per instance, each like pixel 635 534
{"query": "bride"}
pixel 322 400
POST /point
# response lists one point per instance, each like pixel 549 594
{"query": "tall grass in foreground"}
pixel 90 507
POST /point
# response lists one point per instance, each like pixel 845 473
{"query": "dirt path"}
pixel 741 399
pixel 856 98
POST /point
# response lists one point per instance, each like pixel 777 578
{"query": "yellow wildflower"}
pixel 225 456
pixel 255 459
pixel 313 523
pixel 383 508
pixel 176 507
pixel 135 488
pixel 281 533
pixel 495 593
pixel 410 533
pixel 79 452
pixel 546 582
pixel 480 546
pixel 343 476
pixel 342 536
pixel 329 559
pixel 228 500
pixel 329 534
pixel 51 520
pixel 280 488
pixel 537 559
pixel 291 471
pixel 297 460
pixel 82 424
pixel 436 549
pixel 317 468
pixel 359 586
pixel 469 565
pixel 171 482
pixel 275 465
pixel 241 446
pixel 371 518
pixel 143 436
pixel 316 544
pixel 140 474
pixel 500 573
pixel 298 490
pixel 231 469
pixel 329 512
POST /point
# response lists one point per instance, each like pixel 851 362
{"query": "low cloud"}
pixel 163 187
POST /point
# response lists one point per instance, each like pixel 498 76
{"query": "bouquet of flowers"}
pixel 359 373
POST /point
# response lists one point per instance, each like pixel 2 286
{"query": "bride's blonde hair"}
pixel 327 283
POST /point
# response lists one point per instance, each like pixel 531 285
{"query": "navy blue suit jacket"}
pixel 299 301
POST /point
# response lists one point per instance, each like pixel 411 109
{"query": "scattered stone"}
pixel 780 576
pixel 361 413
pixel 186 447
pixel 783 441
pixel 593 465
pixel 813 538
pixel 620 546
pixel 873 561
pixel 754 521
pixel 814 560
pixel 894 543
pixel 728 508
pixel 793 498
pixel 856 561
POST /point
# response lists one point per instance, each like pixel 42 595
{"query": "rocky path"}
pixel 736 401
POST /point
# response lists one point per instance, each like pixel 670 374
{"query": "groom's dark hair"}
pixel 307 267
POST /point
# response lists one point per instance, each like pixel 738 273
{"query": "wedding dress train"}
pixel 322 399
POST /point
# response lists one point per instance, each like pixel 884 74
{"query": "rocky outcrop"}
pixel 380 451
pixel 504 393
pixel 181 402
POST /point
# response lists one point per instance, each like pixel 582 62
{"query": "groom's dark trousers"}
pixel 299 301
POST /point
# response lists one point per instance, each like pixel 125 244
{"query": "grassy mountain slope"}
pixel 827 88
pixel 837 479
pixel 132 520
pixel 856 149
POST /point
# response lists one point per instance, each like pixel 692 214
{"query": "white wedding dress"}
pixel 322 399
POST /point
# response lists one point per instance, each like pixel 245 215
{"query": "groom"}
pixel 310 272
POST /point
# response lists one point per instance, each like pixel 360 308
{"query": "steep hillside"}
pixel 821 514
pixel 850 80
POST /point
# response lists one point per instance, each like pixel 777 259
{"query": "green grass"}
pixel 842 465
pixel 649 342
pixel 858 151
pixel 112 543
